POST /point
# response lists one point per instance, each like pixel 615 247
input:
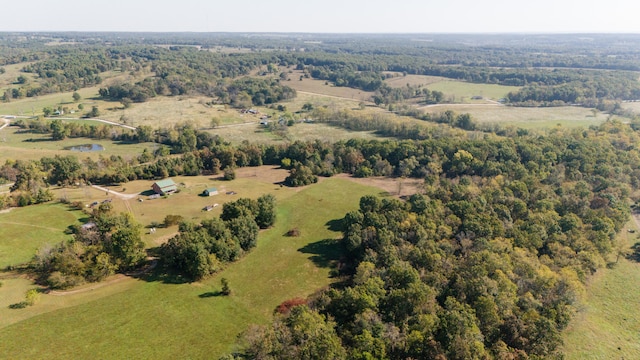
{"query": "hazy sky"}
pixel 415 16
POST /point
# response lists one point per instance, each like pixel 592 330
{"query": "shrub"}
pixel 287 305
pixel 171 220
pixel 229 174
pixel 295 232
pixel 225 287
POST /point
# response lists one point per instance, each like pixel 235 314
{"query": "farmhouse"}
pixel 210 192
pixel 164 187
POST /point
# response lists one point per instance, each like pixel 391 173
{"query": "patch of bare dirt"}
pixel 163 239
pixel 266 173
pixel 394 186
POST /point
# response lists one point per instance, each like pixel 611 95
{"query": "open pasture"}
pixel 524 117
pixel 165 111
pixel 607 323
pixel 24 230
pixel 454 90
pixel 322 87
pixel 149 318
pixel 398 81
pixel 10 76
pixel 17 145
pixel 256 133
pixel 32 106
pixel 462 92
pixel 633 106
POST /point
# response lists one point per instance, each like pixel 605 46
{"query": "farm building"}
pixel 210 192
pixel 164 187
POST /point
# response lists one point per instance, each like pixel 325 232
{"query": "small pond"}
pixel 86 147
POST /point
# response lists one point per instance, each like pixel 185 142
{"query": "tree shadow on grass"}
pixel 635 253
pixel 162 275
pixel 209 294
pixel 325 253
pixel 157 271
pixel 335 225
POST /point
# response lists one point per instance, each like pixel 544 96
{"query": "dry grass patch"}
pixel 320 87
pixel 164 111
pixel 633 106
pixel 525 117
pixel 413 80
pixel 461 91
pixel 392 186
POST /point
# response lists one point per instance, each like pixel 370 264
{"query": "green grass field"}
pixel 152 319
pixel 256 133
pixel 464 91
pixel 454 90
pixel 607 324
pixel 15 145
pixel 525 117
pixel 23 230
pixel 398 80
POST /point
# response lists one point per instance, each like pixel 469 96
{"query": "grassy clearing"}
pixel 413 80
pixel 463 91
pixel 633 106
pixel 550 117
pixel 607 325
pixel 32 106
pixel 164 111
pixel 11 74
pixel 456 91
pixel 321 87
pixel 23 230
pixel 16 145
pixel 256 133
pixel 152 319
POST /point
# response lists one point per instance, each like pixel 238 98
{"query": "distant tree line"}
pixel 576 77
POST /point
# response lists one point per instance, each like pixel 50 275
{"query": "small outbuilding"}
pixel 164 187
pixel 210 192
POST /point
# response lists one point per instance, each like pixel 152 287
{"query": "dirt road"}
pixel 119 195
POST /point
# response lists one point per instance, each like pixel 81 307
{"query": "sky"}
pixel 327 16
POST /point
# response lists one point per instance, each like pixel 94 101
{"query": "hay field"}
pixel 313 86
pixel 523 117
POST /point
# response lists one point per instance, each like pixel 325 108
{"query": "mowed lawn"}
pixel 24 230
pixel 153 319
pixel 607 325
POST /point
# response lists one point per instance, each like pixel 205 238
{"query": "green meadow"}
pixel 153 318
pixel 23 230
